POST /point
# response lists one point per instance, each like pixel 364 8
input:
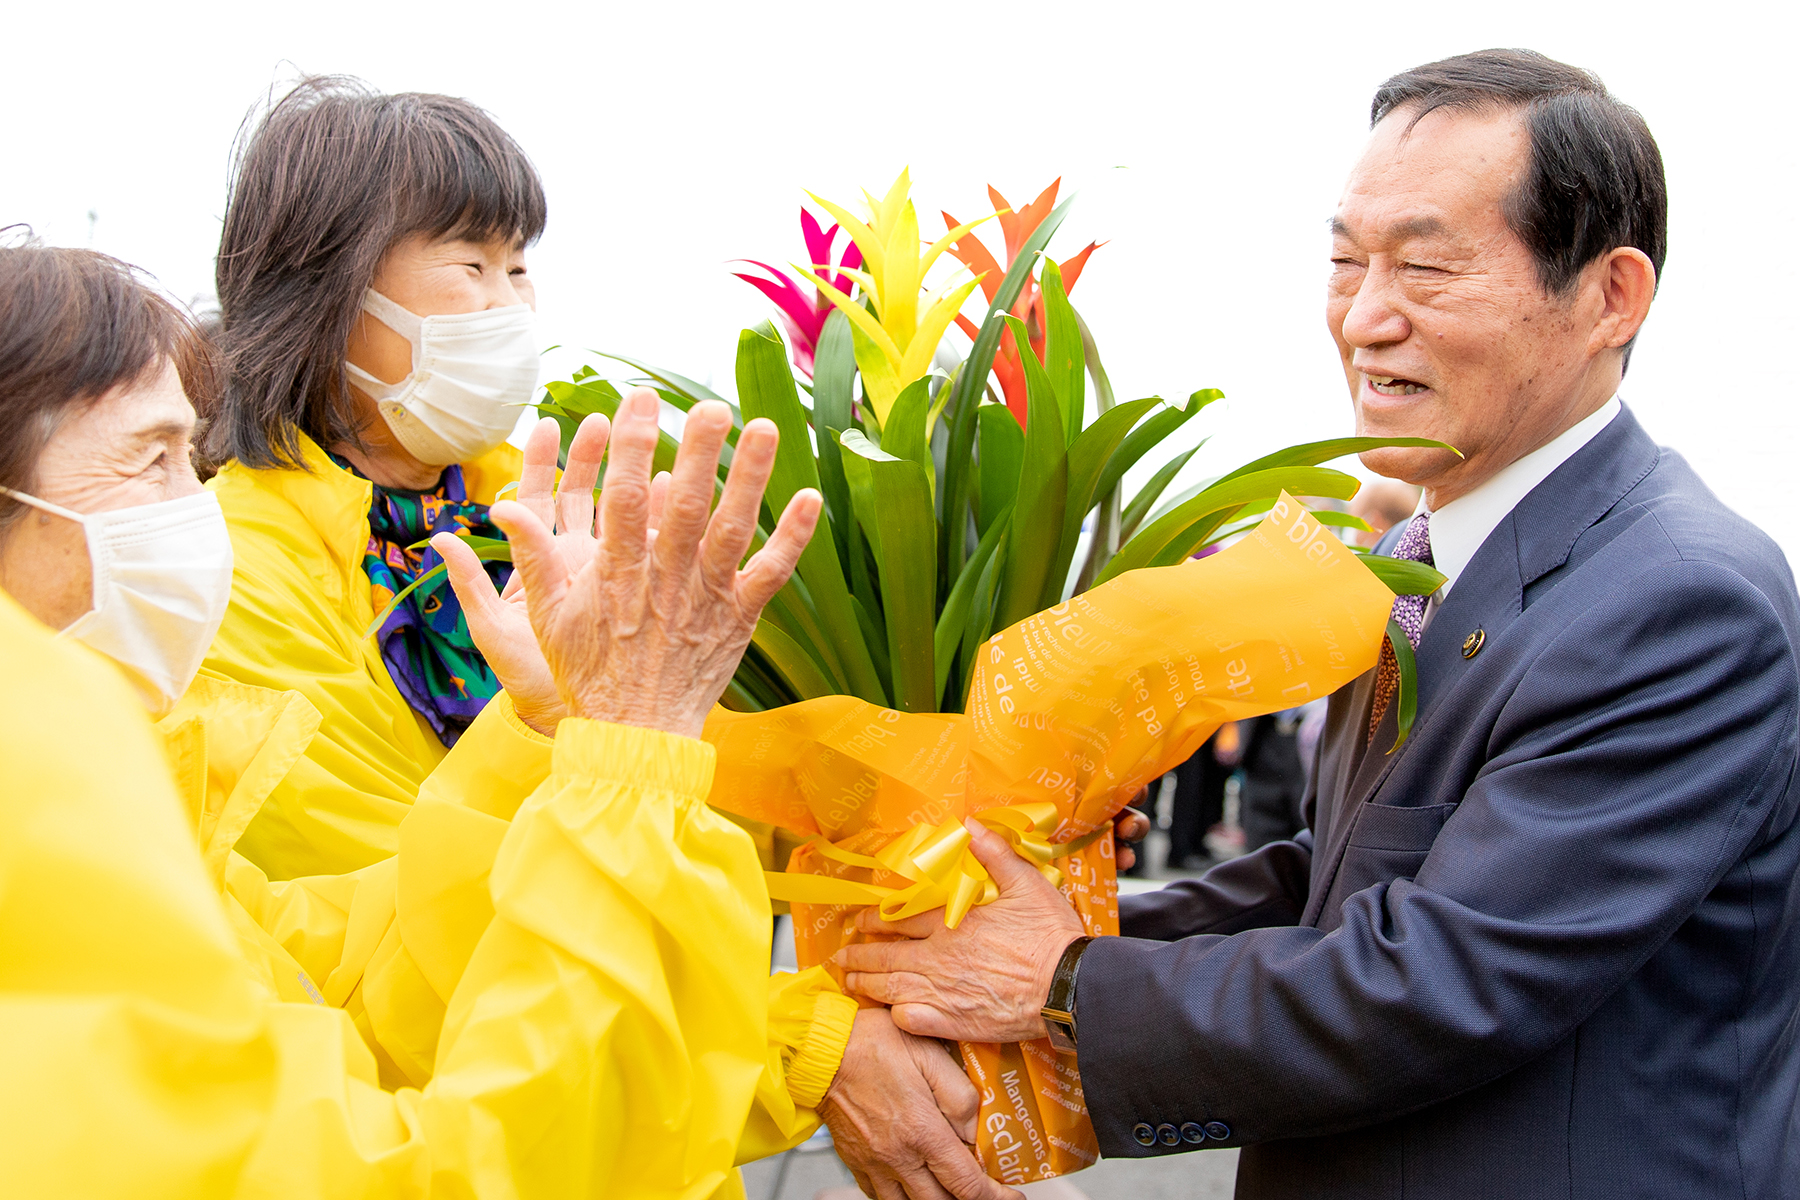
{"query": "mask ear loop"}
pixel 55 510
pixel 407 324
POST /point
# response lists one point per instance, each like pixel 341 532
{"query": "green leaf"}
pixel 1065 359
pixel 1175 535
pixel 1403 576
pixel 1330 516
pixel 486 549
pixel 797 667
pixel 1407 697
pixel 893 500
pixel 1152 433
pixel 1088 456
pixel 693 391
pixel 573 401
pixel 1147 495
pixel 953 621
pixel 1311 454
pixel 1043 495
pixel 766 389
pixel 834 378
pixel 981 624
pixel 1002 448
pixel 903 434
pixel 965 395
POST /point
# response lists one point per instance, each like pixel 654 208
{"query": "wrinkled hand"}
pixel 985 980
pixel 499 624
pixel 649 630
pixel 900 1112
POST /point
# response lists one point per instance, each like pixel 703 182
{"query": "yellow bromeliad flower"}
pixel 894 345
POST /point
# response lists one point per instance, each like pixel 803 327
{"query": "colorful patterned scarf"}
pixel 425 640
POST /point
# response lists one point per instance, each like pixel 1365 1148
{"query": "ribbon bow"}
pixel 936 858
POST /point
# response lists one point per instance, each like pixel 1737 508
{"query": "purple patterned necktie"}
pixel 1409 614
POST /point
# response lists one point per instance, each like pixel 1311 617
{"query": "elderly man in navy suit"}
pixel 1551 945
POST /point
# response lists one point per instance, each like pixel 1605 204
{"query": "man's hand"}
pixel 985 980
pixel 500 624
pixel 650 629
pixel 900 1112
pixel 1129 825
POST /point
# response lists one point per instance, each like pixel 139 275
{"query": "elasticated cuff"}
pixel 628 754
pixel 812 1069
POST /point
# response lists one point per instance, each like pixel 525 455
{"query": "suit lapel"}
pixel 1533 540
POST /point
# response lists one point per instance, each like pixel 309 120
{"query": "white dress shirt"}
pixel 1460 527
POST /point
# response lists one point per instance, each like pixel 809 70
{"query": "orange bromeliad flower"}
pixel 1029 308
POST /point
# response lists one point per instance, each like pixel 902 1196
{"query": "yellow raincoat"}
pixel 172 1022
pixel 300 603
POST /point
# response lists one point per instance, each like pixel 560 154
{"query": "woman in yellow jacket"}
pixel 178 1026
pixel 379 343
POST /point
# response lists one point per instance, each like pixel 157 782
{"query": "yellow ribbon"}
pixel 937 860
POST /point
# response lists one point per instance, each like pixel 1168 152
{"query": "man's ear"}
pixel 1627 282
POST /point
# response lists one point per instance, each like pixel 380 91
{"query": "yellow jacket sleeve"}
pixel 608 1036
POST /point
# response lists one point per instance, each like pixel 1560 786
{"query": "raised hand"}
pixel 649 630
pixel 500 624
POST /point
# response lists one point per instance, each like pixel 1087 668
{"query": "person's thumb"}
pixel 471 584
pixel 994 852
pixel 535 560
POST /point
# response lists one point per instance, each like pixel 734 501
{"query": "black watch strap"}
pixel 1059 1009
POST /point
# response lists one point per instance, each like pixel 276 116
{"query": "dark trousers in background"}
pixel 1199 805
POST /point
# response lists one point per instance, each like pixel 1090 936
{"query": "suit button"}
pixel 1192 1134
pixel 1143 1134
pixel 1168 1135
pixel 1218 1129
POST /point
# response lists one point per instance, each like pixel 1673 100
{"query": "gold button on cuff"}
pixel 1473 643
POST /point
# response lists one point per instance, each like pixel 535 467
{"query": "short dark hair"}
pixel 75 325
pixel 333 176
pixel 1595 181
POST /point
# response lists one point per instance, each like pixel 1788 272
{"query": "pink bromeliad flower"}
pixel 802 310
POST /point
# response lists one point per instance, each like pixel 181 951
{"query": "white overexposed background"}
pixel 1207 143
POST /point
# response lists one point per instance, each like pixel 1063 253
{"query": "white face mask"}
pixel 471 374
pixel 162 582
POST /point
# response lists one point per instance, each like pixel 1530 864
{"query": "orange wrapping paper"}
pixel 1081 706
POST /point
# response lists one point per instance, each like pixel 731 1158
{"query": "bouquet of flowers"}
pixel 984 624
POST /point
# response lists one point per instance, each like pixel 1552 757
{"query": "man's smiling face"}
pixel 1440 319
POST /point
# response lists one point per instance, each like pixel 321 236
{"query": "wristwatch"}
pixel 1059 1010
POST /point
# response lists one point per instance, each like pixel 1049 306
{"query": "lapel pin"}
pixel 1473 643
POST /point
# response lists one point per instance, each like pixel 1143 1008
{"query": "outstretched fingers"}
pixel 469 581
pixel 575 495
pixel 692 485
pixel 537 480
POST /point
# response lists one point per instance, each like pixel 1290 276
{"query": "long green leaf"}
pixel 1152 433
pixel 795 664
pixel 1043 494
pixel 1002 450
pixel 971 382
pixel 1141 503
pixel 953 621
pixel 1088 456
pixel 903 434
pixel 1187 525
pixel 834 378
pixel 669 379
pixel 981 624
pixel 1407 698
pixel 486 549
pixel 894 503
pixel 1311 454
pixel 766 389
pixel 1403 576
pixel 1065 358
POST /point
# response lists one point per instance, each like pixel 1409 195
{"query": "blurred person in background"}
pixel 558 986
pixel 1199 799
pixel 1382 504
pixel 1274 778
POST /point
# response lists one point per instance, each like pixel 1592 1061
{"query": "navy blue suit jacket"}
pixel 1550 947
